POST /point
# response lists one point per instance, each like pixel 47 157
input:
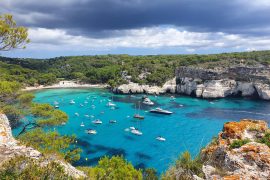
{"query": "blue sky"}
pixel 139 27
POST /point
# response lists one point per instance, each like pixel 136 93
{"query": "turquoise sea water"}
pixel 191 126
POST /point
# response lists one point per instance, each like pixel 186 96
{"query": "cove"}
pixel 191 126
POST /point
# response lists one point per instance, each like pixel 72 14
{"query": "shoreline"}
pixel 65 84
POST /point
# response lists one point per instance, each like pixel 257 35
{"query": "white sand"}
pixel 65 84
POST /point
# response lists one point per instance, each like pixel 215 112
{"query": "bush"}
pixel 22 168
pixel 265 139
pixel 239 143
pixel 113 168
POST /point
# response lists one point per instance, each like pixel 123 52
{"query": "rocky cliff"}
pixel 9 148
pixel 223 82
pixel 135 88
pixel 227 158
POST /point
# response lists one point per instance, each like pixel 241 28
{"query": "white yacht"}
pixel 91 131
pixel 136 132
pixel 71 102
pixel 77 114
pixel 160 111
pixel 110 104
pixel 82 125
pixel 97 121
pixel 160 138
pixel 147 101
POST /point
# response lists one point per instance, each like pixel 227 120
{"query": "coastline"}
pixel 65 84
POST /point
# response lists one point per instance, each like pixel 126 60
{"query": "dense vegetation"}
pixel 118 69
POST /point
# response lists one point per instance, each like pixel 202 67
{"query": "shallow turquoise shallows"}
pixel 191 126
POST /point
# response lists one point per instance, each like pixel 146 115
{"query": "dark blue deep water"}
pixel 192 126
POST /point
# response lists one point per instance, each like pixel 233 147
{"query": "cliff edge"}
pixel 241 151
pixel 10 148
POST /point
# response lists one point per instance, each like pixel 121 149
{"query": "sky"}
pixel 140 27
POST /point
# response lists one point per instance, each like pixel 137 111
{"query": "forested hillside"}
pixel 117 69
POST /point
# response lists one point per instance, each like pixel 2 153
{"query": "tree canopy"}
pixel 11 35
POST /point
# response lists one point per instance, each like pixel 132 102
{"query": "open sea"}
pixel 191 126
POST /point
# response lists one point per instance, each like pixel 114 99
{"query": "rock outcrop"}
pixel 10 147
pixel 234 81
pixel 135 88
pixel 250 161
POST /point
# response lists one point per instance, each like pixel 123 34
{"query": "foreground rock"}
pixel 9 148
pixel 250 161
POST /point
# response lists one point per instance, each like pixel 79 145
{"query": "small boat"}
pixel 112 121
pixel 55 103
pixel 91 131
pixel 147 101
pixel 110 104
pixel 136 132
pixel 160 138
pixel 56 106
pixel 138 116
pixel 86 115
pixel 97 121
pixel 160 111
pixel 132 128
pixel 82 125
pixel 77 114
pixel 71 102
pixel 172 98
pixel 81 105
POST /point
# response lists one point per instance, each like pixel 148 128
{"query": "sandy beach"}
pixel 65 84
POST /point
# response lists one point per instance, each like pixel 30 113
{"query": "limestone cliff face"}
pixel 10 147
pixel 250 161
pixel 135 88
pixel 241 81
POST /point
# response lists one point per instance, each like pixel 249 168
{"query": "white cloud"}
pixel 155 37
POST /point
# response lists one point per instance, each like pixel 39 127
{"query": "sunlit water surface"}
pixel 191 126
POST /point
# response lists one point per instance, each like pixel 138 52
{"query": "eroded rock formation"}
pixel 250 161
pixel 233 81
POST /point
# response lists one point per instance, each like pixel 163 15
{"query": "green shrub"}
pixel 265 139
pixel 239 143
pixel 21 168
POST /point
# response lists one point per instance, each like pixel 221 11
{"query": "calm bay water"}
pixel 192 126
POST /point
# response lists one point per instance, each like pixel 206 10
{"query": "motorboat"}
pixel 82 125
pixel 110 104
pixel 91 131
pixel 112 121
pixel 77 114
pixel 138 116
pixel 132 128
pixel 160 111
pixel 71 102
pixel 160 138
pixel 81 105
pixel 136 132
pixel 97 121
pixel 147 101
pixel 56 106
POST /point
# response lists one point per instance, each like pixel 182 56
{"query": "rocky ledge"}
pixel 225 160
pixel 210 83
pixel 9 148
pixel 233 81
